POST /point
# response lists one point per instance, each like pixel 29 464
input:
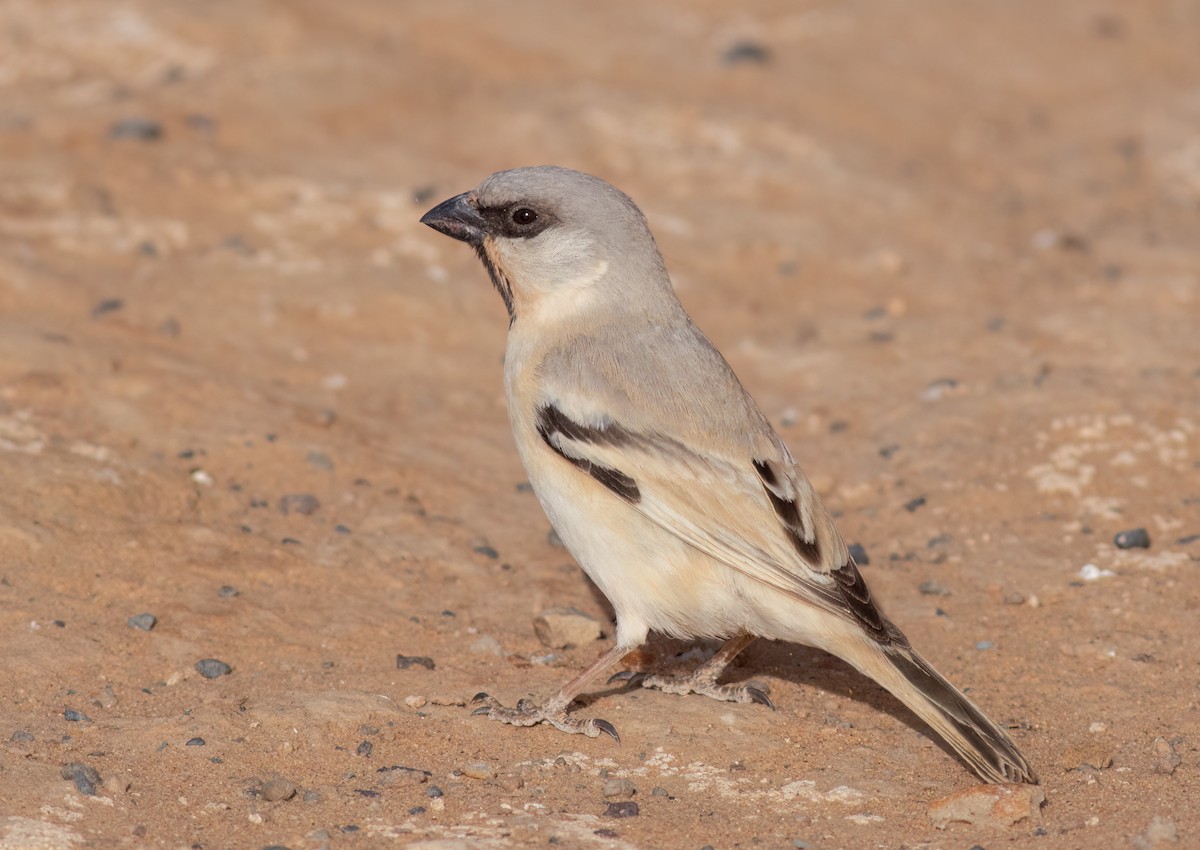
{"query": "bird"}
pixel 661 475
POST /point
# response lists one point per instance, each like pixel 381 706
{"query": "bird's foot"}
pixel 528 713
pixel 697 683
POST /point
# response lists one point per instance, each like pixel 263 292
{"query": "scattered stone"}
pixel 108 305
pixel 1090 572
pixel 403 662
pixel 312 796
pixel 85 777
pixel 859 554
pixel 277 847
pixel 304 504
pixel 561 628
pixel 932 588
pixel 415 701
pixel 321 461
pixel 479 770
pixel 554 540
pixel 746 52
pixel 433 792
pixel 623 809
pixel 341 529
pixel 227 590
pixel 211 668
pixel 939 388
pixel 487 645
pixel 21 735
pixel 1161 830
pixel 399 773
pixel 659 791
pixel 1166 759
pixel 940 540
pixel 417 810
pixel 1014 597
pixel 487 551
pixel 443 699
pixel 1134 538
pixel 368 729
pixel 619 788
pixel 72 715
pixel 141 129
pixel 364 749
pixel 366 792
pixel 1090 753
pixel 278 790
pixel 144 622
pixel 195 742
pixel 994 805
pixel 913 505
pixel 117 785
pixel 984 644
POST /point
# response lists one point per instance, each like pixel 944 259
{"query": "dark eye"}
pixel 524 215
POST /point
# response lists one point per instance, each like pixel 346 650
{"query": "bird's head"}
pixel 550 235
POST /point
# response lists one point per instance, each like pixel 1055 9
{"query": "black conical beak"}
pixel 457 218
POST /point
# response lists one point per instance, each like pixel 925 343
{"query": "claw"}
pixel 483 709
pixel 630 677
pixel 608 729
pixel 480 697
pixel 760 697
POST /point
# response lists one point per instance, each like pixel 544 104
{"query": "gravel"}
pixel 932 588
pixel 195 742
pixel 73 715
pixel 479 770
pixel 304 504
pixel 141 129
pixel 623 809
pixel 86 778
pixel 619 788
pixel 403 662
pixel 211 668
pixel 1133 538
pixel 278 790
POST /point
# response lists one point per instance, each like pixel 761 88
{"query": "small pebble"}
pixel 108 305
pixel 312 796
pixel 619 788
pixel 659 791
pixel 144 622
pixel 195 742
pixel 416 701
pixel 623 809
pixel 366 792
pixel 86 778
pixel 278 790
pixel 211 668
pixel 932 588
pixel 984 644
pixel 364 749
pixel 341 529
pixel 433 792
pixel 1166 759
pixel 417 810
pixel 1134 538
pixel 227 590
pixel 511 782
pixel 75 716
pixel 304 504
pixel 403 662
pixel 320 460
pixel 142 129
pixel 561 628
pixel 554 540
pixel 912 505
pixel 487 551
pixel 479 770
pixel 368 729
pixel 859 554
pixel 20 735
pixel 746 52
pixel 399 773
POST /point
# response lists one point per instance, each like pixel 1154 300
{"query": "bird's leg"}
pixel 704 679
pixel 554 710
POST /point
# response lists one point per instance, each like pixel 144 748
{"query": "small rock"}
pixel 433 792
pixel 368 729
pixel 312 796
pixel 211 668
pixel 21 735
pixel 984 644
pixel 623 809
pixel 659 791
pixel 227 591
pixel 479 770
pixel 487 551
pixel 72 715
pixel 913 505
pixel 278 790
pixel 304 504
pixel 364 749
pixel 992 805
pixel 444 699
pixel 86 778
pixel 859 554
pixel 746 52
pixel 1092 753
pixel 511 782
pixel 1134 538
pixel 142 129
pixel 554 540
pixel 487 645
pixel 398 773
pixel 108 305
pixel 321 461
pixel 1166 759
pixel 117 785
pixel 932 588
pixel 145 622
pixel 560 628
pixel 1014 597
pixel 415 701
pixel 1161 830
pixel 619 788
pixel 195 742
pixel 403 662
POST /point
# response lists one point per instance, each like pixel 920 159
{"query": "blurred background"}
pixel 950 247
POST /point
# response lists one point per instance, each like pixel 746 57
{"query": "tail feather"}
pixel 979 742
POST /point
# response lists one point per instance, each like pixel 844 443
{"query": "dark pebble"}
pixel 142 129
pixel 61 624
pixel 227 590
pixel 186 454
pixel 746 53
pixel 86 778
pixel 341 529
pixel 859 554
pixel 277 847
pixel 195 742
pixel 886 452
pixel 417 810
pixel 938 541
pixel 932 588
pixel 304 504
pixel 403 662
pixel 1187 541
pixel 366 792
pixel 367 729
pixel 291 541
pixel 75 716
pixel 487 551
pixel 211 668
pixel 364 749
pixel 350 827
pixel 1134 538
pixel 433 791
pixel 312 796
pixel 145 622
pixel 605 833
pixel 278 790
pixel 20 735
pixel 217 760
pixel 913 505
pixel 524 487
pixel 658 791
pixel 108 305
pixel 623 809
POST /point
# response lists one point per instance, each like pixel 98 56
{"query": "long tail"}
pixel 911 679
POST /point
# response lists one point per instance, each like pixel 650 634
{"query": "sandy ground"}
pixel 950 247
